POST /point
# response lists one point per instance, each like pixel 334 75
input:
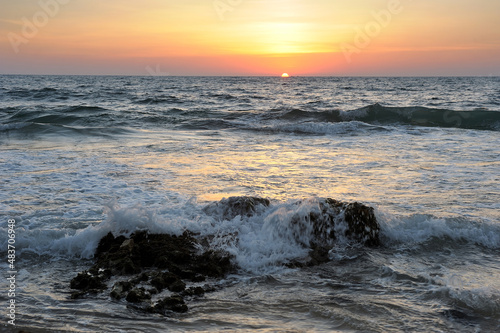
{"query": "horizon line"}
pixel 268 75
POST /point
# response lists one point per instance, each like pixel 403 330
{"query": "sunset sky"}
pixel 250 37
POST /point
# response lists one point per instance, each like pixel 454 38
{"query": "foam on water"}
pixel 321 128
pixel 258 244
pixel 483 301
pixel 239 106
pixel 81 243
pixel 261 243
pixel 419 228
pixel 84 156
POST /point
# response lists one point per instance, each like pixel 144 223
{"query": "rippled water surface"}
pixel 82 156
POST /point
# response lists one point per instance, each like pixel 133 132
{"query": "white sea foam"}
pixel 439 185
pixel 477 292
pixel 323 128
pixel 261 243
pixel 485 300
pixel 419 228
pixel 82 242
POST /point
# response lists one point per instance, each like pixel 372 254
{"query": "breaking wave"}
pixel 377 114
pixel 261 240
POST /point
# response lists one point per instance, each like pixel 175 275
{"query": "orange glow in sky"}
pixel 250 37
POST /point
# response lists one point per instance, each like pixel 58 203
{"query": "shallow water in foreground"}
pixel 82 156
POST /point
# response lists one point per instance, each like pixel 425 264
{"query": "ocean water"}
pixel 84 155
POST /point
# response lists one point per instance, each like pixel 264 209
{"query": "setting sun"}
pixel 285 75
pixel 225 37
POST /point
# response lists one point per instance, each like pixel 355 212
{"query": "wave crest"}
pixel 377 114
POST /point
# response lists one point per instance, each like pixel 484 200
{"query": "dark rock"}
pixel 228 209
pixel 127 267
pixel 194 291
pixel 105 244
pixel 161 261
pixel 318 255
pixel 214 264
pixel 158 283
pixel 127 245
pixel 140 278
pixel 120 288
pixel 175 259
pixel 177 286
pixel 168 280
pixel 109 244
pixel 138 295
pixel 209 288
pixel 185 274
pixel 360 223
pixel 164 280
pixel 198 278
pixel 189 274
pixel 174 303
pixel 86 281
pixel 78 294
pixel 147 254
pixel 129 256
pixel 179 256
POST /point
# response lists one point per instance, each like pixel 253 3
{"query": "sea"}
pixel 81 156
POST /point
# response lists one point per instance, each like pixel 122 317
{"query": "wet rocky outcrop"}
pixel 166 268
pixel 229 208
pixel 354 221
pixel 158 273
pixel 327 222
